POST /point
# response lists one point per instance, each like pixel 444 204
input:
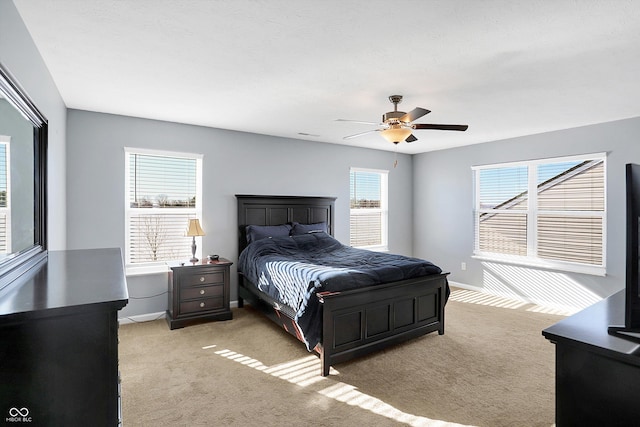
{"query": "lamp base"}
pixel 193 250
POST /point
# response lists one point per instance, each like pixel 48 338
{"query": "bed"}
pixel 337 324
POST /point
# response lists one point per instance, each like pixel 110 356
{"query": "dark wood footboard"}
pixel 356 323
pixel 363 321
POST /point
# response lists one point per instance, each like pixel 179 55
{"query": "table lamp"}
pixel 193 231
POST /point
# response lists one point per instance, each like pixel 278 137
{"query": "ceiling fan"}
pixel 397 125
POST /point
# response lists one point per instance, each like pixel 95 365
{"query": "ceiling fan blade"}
pixel 440 127
pixel 361 134
pixel 358 121
pixel 411 138
pixel 414 114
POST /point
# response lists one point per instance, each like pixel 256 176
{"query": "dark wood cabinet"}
pixel 59 341
pixel 597 374
pixel 198 292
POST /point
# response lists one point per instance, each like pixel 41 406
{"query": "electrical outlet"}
pixel 463 266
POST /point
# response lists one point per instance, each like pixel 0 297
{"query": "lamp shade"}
pixel 396 133
pixel 194 228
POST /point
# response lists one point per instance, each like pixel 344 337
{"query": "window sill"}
pixel 547 265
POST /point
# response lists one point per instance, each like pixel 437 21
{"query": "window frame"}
pixel 161 265
pixel 532 212
pixel 383 209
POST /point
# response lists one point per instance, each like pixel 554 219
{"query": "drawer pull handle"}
pixel 202 278
pixel 201 291
pixel 201 304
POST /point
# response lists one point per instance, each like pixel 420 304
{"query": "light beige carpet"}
pixel 491 368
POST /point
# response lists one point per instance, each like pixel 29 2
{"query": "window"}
pixel 546 212
pixel 5 197
pixel 163 193
pixel 369 211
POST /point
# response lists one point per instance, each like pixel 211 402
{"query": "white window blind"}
pixel 503 201
pixel 368 208
pixel 5 209
pixel 551 211
pixel 163 193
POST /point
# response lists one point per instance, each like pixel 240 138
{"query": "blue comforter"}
pixel 293 269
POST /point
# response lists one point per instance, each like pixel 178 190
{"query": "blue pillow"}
pixel 257 232
pixel 319 227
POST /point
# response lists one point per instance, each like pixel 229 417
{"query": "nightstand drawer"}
pixel 207 278
pixel 202 292
pixel 202 305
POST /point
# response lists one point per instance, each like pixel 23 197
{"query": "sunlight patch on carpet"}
pixel 473 297
pixel 350 395
pixel 304 372
pixel 552 310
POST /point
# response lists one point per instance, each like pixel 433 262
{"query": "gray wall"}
pixel 86 185
pixel 234 163
pixel 20 56
pixel 443 217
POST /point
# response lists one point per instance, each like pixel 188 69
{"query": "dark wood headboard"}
pixel 277 210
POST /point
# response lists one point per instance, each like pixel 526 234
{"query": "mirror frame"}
pixel 16 264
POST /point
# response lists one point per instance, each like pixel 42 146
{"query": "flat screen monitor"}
pixel 631 327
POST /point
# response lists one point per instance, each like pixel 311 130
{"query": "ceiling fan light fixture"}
pixel 398 126
pixel 396 134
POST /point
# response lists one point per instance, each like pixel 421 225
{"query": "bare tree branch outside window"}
pixel 154 233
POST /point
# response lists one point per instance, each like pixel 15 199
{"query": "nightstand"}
pixel 198 292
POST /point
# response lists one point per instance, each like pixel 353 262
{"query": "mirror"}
pixel 23 140
pixel 16 181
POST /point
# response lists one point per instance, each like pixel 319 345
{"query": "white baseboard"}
pixel 485 292
pixel 149 317
pixel 142 318
pixel 565 309
pixel 467 287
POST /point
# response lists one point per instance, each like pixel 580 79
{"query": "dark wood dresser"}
pixel 59 341
pixel 597 374
pixel 198 292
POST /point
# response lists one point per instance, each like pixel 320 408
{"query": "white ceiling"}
pixel 291 67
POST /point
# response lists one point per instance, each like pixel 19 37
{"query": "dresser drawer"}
pixel 199 305
pixel 202 292
pixel 207 278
